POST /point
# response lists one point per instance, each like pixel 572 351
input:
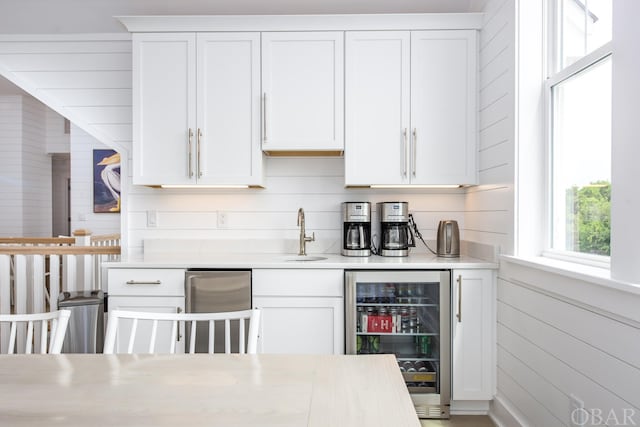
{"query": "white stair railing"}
pixel 33 271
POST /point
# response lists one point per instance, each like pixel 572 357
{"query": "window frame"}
pixel 555 76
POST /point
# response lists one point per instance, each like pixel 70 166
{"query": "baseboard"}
pixel 469 407
pixel 503 414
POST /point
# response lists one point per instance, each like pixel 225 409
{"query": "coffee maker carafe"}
pixel 356 229
pixel 394 228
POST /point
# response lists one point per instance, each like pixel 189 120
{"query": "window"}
pixel 579 90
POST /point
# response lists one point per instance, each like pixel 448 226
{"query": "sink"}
pixel 305 258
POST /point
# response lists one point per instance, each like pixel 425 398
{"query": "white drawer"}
pixel 298 282
pixel 146 281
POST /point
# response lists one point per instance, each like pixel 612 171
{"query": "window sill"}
pixel 586 273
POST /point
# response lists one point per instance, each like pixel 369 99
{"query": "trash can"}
pixel 85 332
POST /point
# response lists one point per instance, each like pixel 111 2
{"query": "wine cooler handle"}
pixel 459 315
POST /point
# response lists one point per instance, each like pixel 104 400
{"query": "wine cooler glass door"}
pixel 405 313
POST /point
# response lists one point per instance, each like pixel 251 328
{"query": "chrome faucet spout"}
pixel 303 237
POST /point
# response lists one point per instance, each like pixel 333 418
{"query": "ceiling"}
pixel 96 16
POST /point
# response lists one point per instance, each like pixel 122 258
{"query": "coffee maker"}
pixel 356 229
pixel 394 228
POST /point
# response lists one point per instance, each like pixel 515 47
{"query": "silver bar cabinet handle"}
pixel 144 282
pixel 413 151
pixel 189 152
pixel 264 117
pixel 459 315
pixel 198 168
pixel 404 152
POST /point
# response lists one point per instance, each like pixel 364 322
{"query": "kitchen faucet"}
pixel 303 237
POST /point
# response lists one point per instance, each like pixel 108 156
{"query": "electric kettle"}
pixel 448 241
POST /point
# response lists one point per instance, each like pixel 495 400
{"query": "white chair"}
pixel 116 325
pixel 51 328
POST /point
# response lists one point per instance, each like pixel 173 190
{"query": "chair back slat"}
pixel 154 333
pixel 174 336
pixel 212 335
pixel 227 336
pixel 152 343
pixel 29 349
pixel 43 337
pixel 240 335
pixel 192 337
pixel 12 338
pixel 132 338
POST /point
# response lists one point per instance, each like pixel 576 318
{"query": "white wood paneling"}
pixel 57 139
pixel 489 207
pixel 86 79
pixel 315 184
pixel 26 176
pixel 10 161
pixel 36 170
pixel 554 333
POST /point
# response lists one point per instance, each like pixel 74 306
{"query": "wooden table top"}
pixel 203 390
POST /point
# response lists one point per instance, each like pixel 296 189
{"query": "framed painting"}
pixel 106 181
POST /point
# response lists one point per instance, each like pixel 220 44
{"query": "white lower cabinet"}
pixel 302 310
pixel 473 336
pixel 155 290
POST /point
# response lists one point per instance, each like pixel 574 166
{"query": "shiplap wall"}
pixel 10 164
pixel 36 170
pixel 561 336
pixel 25 190
pixel 57 139
pixel 315 184
pixel 87 79
pixel 84 77
pixel 489 206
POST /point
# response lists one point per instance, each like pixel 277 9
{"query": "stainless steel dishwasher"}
pixel 214 291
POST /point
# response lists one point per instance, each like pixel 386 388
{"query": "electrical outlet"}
pixel 222 219
pixel 577 414
pixel 152 218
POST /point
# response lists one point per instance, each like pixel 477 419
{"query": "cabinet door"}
pixel 309 325
pixel 151 304
pixel 377 107
pixel 164 79
pixel 302 310
pixel 228 113
pixel 302 84
pixel 473 339
pixel 443 107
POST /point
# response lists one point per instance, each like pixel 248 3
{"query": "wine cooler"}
pixel 406 313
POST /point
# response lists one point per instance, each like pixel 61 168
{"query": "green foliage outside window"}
pixel 589 230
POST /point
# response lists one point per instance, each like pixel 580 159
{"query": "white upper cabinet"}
pixel 197 109
pixel 377 107
pixel 303 91
pixel 411 107
pixel 164 107
pixel 443 107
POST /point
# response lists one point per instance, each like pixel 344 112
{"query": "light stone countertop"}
pixel 204 390
pixel 270 260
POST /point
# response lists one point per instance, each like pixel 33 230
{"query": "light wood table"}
pixel 203 390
